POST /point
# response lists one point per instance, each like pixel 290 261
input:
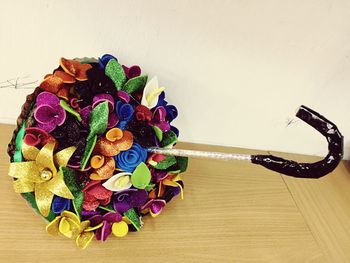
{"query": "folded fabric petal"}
pixel 125 200
pixel 35 136
pixel 172 113
pixel 155 206
pixel 112 120
pixel 47 98
pixel 151 93
pixel 101 98
pixel 45 114
pixel 130 159
pixel 142 113
pixel 103 232
pixel 102 61
pixel 48 112
pixel 95 194
pixel 132 72
pixel 118 182
pixel 59 204
pixel 124 112
pixel 124 96
pixel 112 217
pixel 159 119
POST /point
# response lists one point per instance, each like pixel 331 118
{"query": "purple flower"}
pixel 132 72
pixel 171 110
pixel 155 206
pixel 131 198
pixel 48 113
pixel 112 117
pixel 107 221
pixel 159 119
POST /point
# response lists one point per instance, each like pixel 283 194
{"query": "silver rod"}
pixel 201 154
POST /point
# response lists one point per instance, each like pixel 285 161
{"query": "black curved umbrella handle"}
pixel 309 170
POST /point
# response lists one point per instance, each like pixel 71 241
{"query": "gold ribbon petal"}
pixel 71 215
pixel 57 186
pixel 69 228
pixel 84 239
pixel 85 224
pixel 29 152
pixel 25 170
pixel 93 228
pixel 22 186
pixel 52 227
pixel 44 158
pixel 62 157
pixel 43 198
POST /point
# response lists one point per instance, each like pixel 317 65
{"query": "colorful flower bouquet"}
pixel 80 157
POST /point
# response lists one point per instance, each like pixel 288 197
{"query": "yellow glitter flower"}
pixel 69 225
pixel 39 174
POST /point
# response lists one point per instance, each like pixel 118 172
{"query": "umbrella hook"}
pixel 308 170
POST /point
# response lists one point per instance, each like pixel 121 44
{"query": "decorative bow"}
pixel 39 174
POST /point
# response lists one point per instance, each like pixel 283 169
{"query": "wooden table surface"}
pixel 232 212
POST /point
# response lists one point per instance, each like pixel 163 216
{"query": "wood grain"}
pixel 232 212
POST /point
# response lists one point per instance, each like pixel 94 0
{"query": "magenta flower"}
pixel 154 206
pixel 48 113
pixel 107 219
pixel 112 117
pixel 159 119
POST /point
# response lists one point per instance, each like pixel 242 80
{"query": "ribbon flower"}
pixel 130 159
pixel 49 113
pixel 39 174
pixel 107 220
pixel 69 225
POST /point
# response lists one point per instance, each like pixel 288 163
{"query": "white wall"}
pixel 237 70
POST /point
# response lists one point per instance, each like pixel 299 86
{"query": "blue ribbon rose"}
pixel 130 159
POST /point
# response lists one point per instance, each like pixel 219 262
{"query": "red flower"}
pixel 95 195
pixel 142 113
pixel 37 137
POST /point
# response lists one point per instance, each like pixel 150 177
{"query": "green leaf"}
pixel 98 119
pixel 149 187
pixel 90 145
pixel 78 202
pixel 166 163
pixel 68 108
pixel 116 73
pixel 108 208
pixel 169 139
pixel 158 132
pixel 135 84
pixel 17 156
pixel 70 179
pixel 134 218
pixel 31 200
pixel 182 163
pixel 141 176
pixel 180 166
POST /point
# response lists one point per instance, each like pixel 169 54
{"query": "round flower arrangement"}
pixel 80 155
